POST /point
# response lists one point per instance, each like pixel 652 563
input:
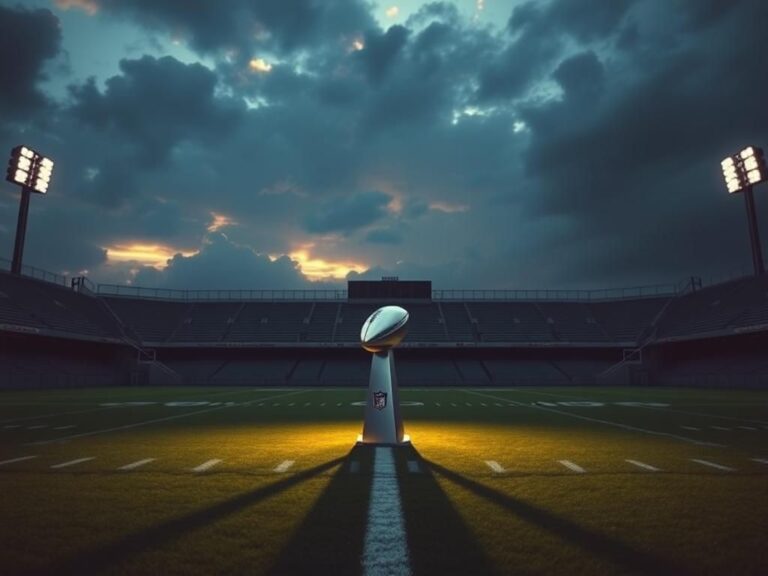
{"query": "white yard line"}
pixel 38 427
pixel 147 422
pixel 690 428
pixel 495 466
pixel 137 464
pixel 572 466
pixel 720 428
pixel 385 549
pixel 284 465
pixel 713 465
pixel 752 428
pixel 760 460
pixel 12 460
pixel 606 422
pixel 69 427
pixel 643 465
pixel 72 462
pixel 206 465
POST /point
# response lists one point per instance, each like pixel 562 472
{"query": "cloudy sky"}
pixel 294 143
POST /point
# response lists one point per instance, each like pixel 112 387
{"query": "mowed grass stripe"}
pixel 150 422
pixel 599 421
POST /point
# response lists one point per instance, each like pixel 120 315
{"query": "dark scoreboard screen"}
pixel 389 289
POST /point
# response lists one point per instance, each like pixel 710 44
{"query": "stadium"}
pixel 610 431
pixel 383 288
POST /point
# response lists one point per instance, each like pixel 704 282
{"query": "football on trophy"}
pixel 384 329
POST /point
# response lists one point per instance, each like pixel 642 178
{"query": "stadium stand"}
pixel 451 341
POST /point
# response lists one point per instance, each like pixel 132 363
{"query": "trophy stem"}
pixel 383 423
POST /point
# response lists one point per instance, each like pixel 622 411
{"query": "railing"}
pixel 558 295
pixel 217 295
pixel 38 273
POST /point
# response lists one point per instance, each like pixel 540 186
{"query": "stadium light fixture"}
pixel 32 171
pixel 741 172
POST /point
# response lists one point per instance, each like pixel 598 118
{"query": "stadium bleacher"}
pixel 185 334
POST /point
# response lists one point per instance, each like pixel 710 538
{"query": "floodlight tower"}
pixel 741 172
pixel 32 171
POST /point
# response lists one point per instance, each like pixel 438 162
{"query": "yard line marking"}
pixel 12 460
pixel 72 462
pixel 453 404
pixel 276 404
pixel 385 549
pixel 483 404
pixel 467 403
pixel 149 422
pixel 65 427
pixel 720 428
pixel 291 404
pixel 643 465
pixel 261 404
pixel 137 464
pixel 284 465
pixel 38 427
pixel 413 467
pixel 339 404
pixel 437 404
pixel 572 466
pixel 11 426
pixel 206 465
pixel 307 403
pixel 606 422
pixel 497 404
pixel 713 465
pixel 760 460
pixel 511 404
pixel 495 466
pixel 322 403
pixel 690 428
pixel 748 428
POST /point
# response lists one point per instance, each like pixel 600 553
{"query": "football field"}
pixel 496 481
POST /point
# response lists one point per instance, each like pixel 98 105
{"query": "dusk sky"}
pixel 294 143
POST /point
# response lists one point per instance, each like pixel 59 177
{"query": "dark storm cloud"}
pixel 384 236
pixel 348 213
pixel 212 26
pixel 222 264
pixel 156 104
pixel 635 156
pixel 381 50
pixel 540 31
pixel 28 39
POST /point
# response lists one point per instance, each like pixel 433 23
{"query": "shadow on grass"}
pixel 439 541
pixel 331 537
pixel 630 560
pixel 100 560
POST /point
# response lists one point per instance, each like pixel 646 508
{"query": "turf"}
pixel 242 517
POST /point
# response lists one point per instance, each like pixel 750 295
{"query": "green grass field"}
pixel 497 481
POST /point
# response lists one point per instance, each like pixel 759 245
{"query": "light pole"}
pixel 741 172
pixel 32 171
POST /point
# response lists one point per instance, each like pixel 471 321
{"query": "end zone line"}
pixel 284 465
pixel 385 549
pixel 12 460
pixel 572 466
pixel 713 465
pixel 606 422
pixel 643 465
pixel 72 462
pixel 137 464
pixel 147 422
pixel 206 465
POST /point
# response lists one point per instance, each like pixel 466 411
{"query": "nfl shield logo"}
pixel 379 400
